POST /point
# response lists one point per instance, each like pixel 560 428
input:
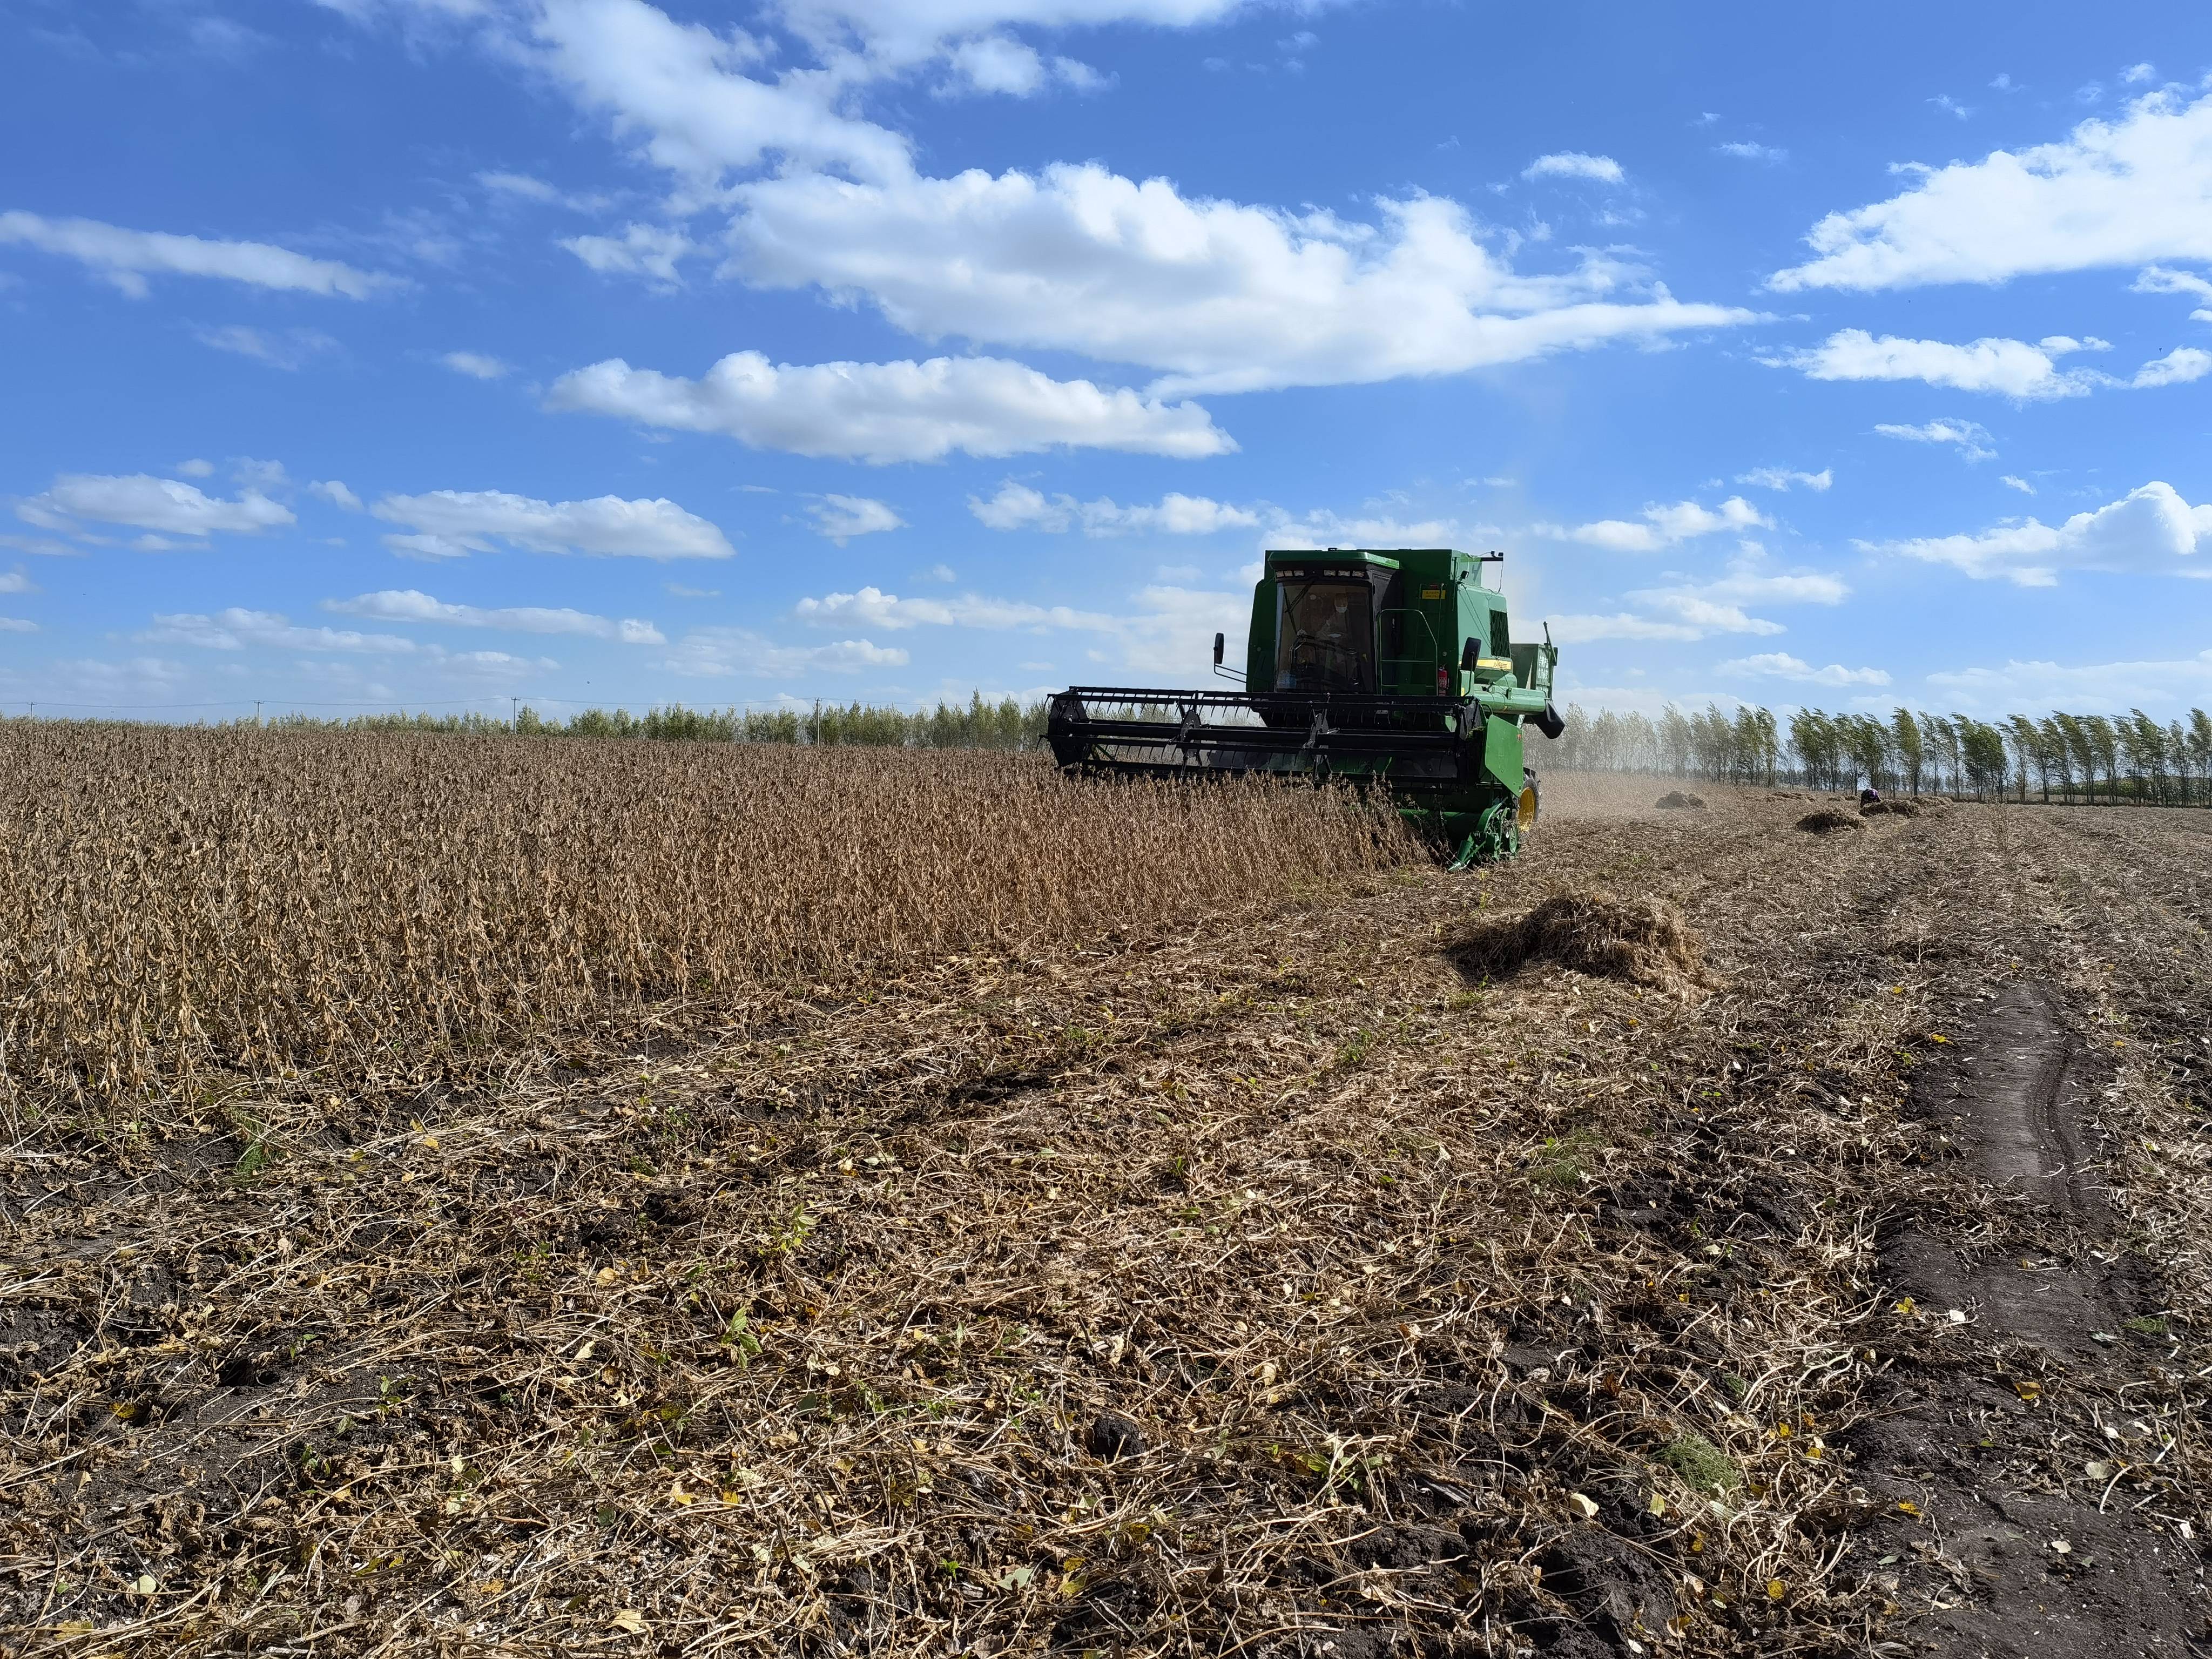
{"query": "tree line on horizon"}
pixel 2060 757
pixel 2064 756
pixel 978 723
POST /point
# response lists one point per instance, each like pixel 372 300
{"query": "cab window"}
pixel 1325 637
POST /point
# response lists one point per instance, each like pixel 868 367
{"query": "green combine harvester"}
pixel 1393 669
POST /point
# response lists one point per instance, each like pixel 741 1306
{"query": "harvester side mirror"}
pixel 1471 657
pixel 1218 641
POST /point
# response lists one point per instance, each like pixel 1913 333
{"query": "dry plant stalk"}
pixel 182 905
pixel 1644 941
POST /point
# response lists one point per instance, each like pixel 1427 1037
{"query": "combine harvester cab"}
pixel 1393 668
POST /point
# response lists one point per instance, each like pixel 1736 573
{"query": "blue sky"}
pixel 435 352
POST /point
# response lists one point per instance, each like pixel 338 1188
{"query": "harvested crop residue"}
pixel 1234 1286
pixel 1905 808
pixel 1644 941
pixel 1828 820
pixel 1682 800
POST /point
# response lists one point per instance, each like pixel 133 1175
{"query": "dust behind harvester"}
pixel 1392 667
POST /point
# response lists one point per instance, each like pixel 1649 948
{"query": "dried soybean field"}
pixel 464 1199
pixel 186 907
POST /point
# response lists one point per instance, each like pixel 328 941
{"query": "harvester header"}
pixel 1389 667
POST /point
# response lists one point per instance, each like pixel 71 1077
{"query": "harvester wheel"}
pixel 1525 814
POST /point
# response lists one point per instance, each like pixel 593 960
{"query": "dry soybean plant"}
pixel 186 904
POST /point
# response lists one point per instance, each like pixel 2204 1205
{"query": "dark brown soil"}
pixel 2009 1521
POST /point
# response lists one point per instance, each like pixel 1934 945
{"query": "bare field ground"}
pixel 1312 1279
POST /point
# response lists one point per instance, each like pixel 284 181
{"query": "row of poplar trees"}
pixel 2072 757
pixel 976 724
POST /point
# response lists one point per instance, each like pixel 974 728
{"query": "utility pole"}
pixel 257 714
pixel 513 713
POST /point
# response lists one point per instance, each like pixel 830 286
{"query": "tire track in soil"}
pixel 2022 1566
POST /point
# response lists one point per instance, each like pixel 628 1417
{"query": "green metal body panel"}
pixel 1501 753
pixel 1438 597
pixel 1441 667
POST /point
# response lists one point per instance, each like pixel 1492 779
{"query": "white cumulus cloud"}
pixel 451 523
pixel 1002 64
pixel 1324 528
pixel 1168 630
pixel 1781 666
pixel 235 629
pixel 1748 581
pixel 1573 164
pixel 1782 478
pixel 841 517
pixel 476 365
pixel 149 503
pixel 1973 439
pixel 719 653
pixel 681 91
pixel 2014 369
pixel 2149 529
pixel 894 412
pixel 871 607
pixel 2158 279
pixel 127 258
pixel 2125 191
pixel 263 475
pixel 1688 610
pixel 1588 627
pixel 647 250
pixel 411 605
pixel 1017 506
pixel 2102 688
pixel 2177 368
pixel 1212 294
pixel 1662 526
pixel 897 33
pixel 334 491
pixel 1218 296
